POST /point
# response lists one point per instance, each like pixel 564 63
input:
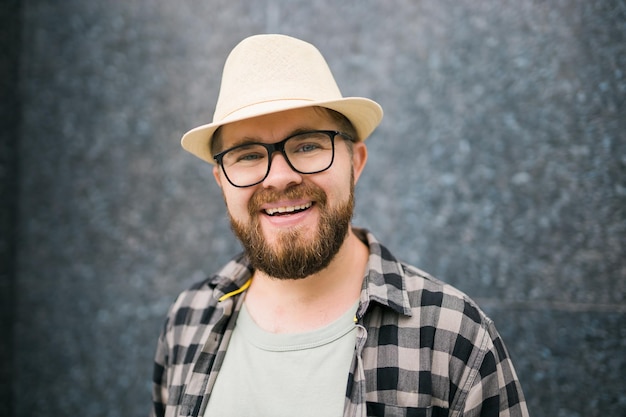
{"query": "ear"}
pixel 217 176
pixel 359 158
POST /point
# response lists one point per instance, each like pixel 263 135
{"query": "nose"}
pixel 281 175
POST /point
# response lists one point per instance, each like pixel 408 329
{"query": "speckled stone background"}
pixel 500 167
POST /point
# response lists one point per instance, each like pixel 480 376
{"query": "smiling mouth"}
pixel 282 211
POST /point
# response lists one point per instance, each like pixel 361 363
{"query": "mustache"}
pixel 300 191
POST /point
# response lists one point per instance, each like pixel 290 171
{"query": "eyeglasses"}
pixel 306 153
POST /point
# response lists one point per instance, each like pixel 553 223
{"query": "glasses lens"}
pixel 307 153
pixel 310 152
pixel 246 165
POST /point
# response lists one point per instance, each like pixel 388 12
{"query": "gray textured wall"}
pixel 9 135
pixel 500 167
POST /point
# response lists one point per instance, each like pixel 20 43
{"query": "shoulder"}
pixel 436 298
pixel 449 320
pixel 440 330
pixel 417 297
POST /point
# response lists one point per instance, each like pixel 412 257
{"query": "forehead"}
pixel 276 126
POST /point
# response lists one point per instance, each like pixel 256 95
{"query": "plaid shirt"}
pixel 423 348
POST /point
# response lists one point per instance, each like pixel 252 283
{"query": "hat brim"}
pixel 363 113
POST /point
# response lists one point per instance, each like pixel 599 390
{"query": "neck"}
pixel 284 306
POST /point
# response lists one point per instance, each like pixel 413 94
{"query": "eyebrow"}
pixel 247 140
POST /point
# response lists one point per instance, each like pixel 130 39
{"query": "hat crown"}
pixel 266 68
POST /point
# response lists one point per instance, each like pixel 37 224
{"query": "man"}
pixel 316 317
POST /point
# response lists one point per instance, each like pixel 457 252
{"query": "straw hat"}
pixel 266 74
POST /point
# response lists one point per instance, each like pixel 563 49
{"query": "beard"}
pixel 296 254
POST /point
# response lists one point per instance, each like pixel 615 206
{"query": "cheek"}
pixel 338 187
pixel 236 203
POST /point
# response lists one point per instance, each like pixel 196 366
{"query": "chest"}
pixel 284 374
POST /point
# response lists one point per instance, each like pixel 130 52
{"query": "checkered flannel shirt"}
pixel 423 348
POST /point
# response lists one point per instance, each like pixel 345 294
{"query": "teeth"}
pixel 289 209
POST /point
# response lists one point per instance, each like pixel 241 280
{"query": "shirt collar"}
pixel 232 279
pixel 385 282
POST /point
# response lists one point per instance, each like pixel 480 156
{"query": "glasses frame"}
pixel 280 147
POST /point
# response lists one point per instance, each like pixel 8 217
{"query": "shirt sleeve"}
pixel 159 376
pixel 496 390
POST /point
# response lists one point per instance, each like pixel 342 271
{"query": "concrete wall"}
pixel 500 167
pixel 9 137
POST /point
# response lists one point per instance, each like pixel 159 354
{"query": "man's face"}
pixel 291 225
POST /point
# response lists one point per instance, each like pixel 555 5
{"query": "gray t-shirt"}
pixel 299 374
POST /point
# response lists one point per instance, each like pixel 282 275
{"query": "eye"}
pixel 245 155
pixel 308 143
pixel 308 147
pixel 249 156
